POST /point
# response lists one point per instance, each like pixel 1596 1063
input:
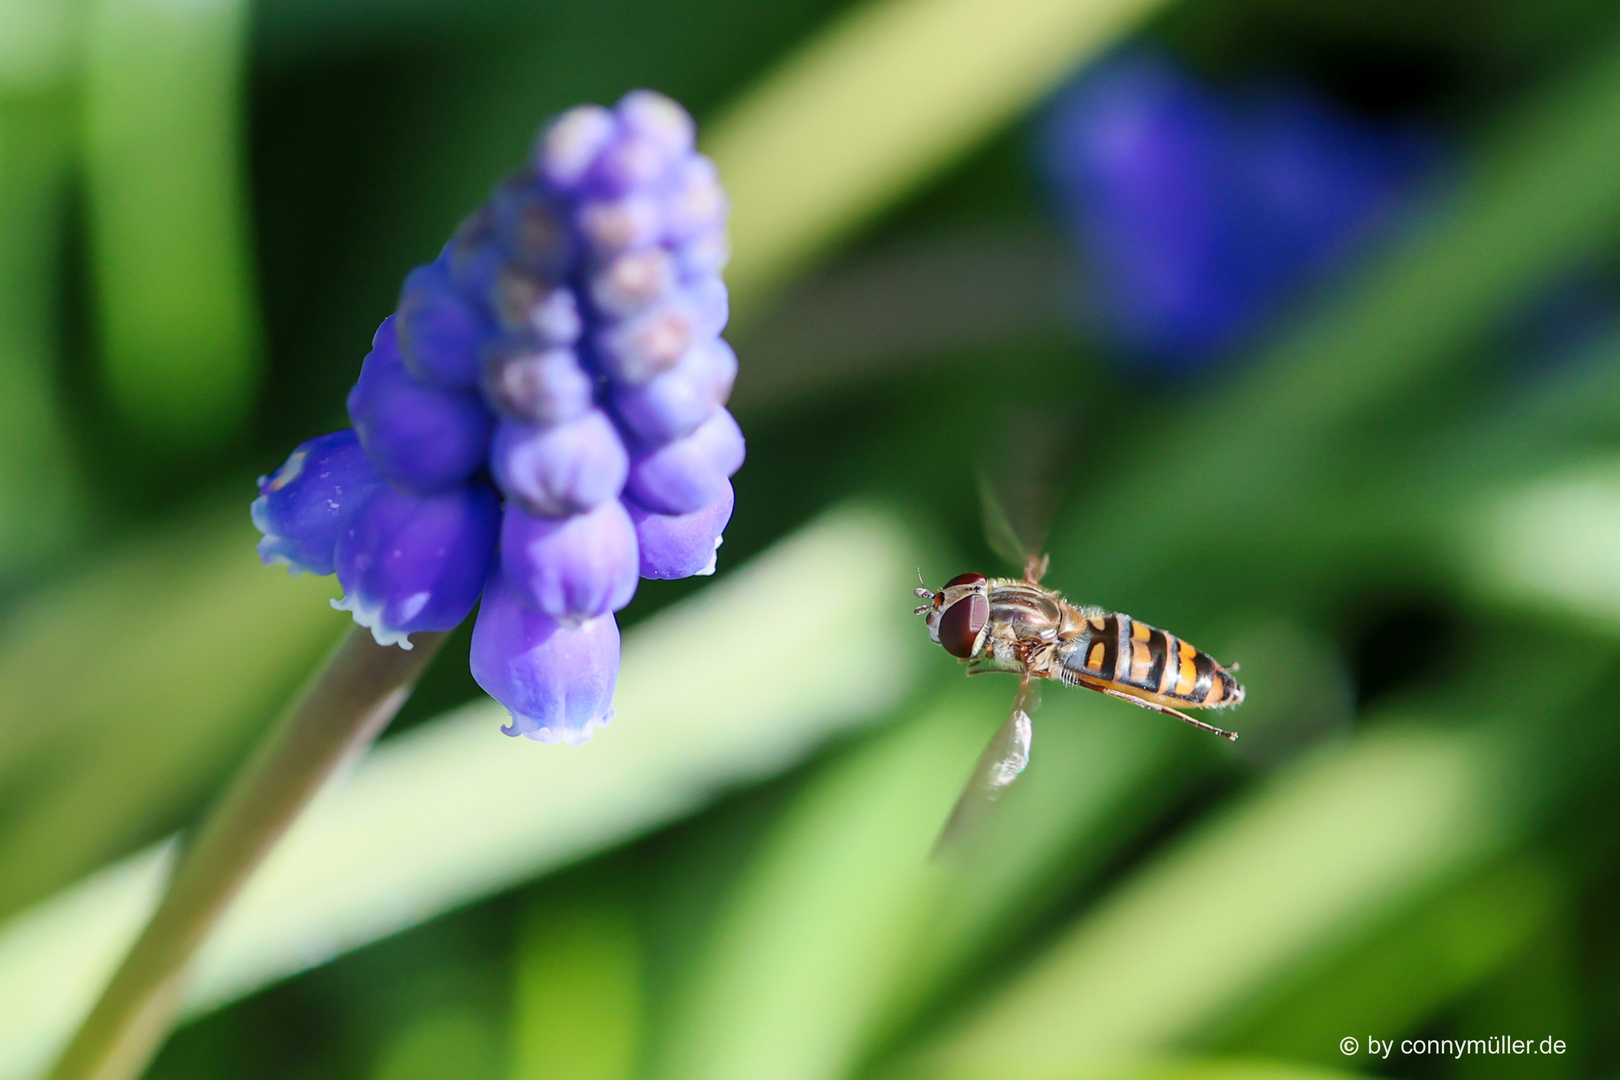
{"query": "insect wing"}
pixel 1003 761
pixel 999 531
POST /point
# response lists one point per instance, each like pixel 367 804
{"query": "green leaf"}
pixel 890 94
pixel 1334 849
pixel 729 686
pixel 169 229
pixel 579 1010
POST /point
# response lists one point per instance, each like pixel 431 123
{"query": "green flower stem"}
pixel 352 699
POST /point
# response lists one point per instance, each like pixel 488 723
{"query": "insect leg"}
pixel 1165 709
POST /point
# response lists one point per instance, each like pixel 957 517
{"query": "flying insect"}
pixel 1016 625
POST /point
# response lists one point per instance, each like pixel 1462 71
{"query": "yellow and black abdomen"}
pixel 1119 653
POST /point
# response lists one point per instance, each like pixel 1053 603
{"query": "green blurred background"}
pixel 1395 497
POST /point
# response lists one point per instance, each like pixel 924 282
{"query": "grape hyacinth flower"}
pixel 1198 212
pixel 541 421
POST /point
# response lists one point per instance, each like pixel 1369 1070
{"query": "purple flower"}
pixel 1199 212
pixel 556 471
pixel 674 404
pixel 555 680
pixel 574 568
pixel 440 331
pixel 688 474
pixel 419 437
pixel 309 501
pixel 680 545
pixel 416 562
pixel 565 346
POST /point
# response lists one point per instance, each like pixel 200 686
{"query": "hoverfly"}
pixel 1015 625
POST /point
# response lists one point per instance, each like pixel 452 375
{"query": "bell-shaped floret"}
pixel 676 403
pixel 689 474
pixel 309 501
pixel 680 545
pixel 562 470
pixel 423 439
pixel 573 568
pixel 412 563
pixel 555 680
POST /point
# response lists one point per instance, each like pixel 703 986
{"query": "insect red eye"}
pixel 969 578
pixel 960 625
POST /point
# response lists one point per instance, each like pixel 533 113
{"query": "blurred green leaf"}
pixel 1399 981
pixel 890 94
pixel 459 1042
pixel 128 686
pixel 1338 846
pixel 711 694
pixel 1552 545
pixel 578 1011
pixel 164 104
pixel 41 502
pixel 1541 991
pixel 54 959
pixel 38 45
pixel 842 894
pixel 1542 197
pixel 805 950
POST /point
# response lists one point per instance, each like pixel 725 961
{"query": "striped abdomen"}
pixel 1134 658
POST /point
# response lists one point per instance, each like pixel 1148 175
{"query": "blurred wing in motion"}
pixel 1018 485
pixel 1003 760
pixel 999 530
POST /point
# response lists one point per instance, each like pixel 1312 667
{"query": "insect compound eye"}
pixel 960 625
pixel 969 578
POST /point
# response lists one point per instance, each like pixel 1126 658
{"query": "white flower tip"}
pixel 370 617
pixel 546 734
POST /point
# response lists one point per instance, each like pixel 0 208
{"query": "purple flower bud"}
pixel 555 320
pixel 309 501
pixel 440 331
pixel 514 295
pixel 546 387
pixel 531 227
pixel 571 144
pixel 704 255
pixel 690 473
pixel 697 204
pixel 555 680
pixel 412 563
pixel 636 350
pixel 632 161
pixel 573 568
pixel 680 545
pixel 631 281
pixel 620 224
pixel 473 258
pixel 708 304
pixel 421 438
pixel 675 403
pixel 562 470
pixel 650 115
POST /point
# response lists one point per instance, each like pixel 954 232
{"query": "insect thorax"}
pixel 1024 609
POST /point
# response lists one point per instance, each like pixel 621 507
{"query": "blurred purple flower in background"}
pixel 541 422
pixel 1199 213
